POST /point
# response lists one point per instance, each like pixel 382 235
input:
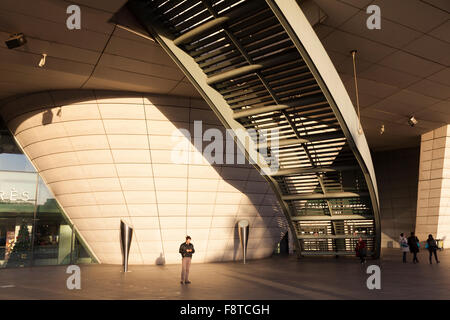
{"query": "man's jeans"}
pixel 185 265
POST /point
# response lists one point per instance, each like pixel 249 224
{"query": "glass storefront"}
pixel 33 228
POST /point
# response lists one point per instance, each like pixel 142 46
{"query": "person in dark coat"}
pixel 413 243
pixel 432 248
pixel 186 251
pixel 361 250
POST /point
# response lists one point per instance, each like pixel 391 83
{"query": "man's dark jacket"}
pixel 413 244
pixel 183 250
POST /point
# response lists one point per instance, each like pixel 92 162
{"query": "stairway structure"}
pixel 263 71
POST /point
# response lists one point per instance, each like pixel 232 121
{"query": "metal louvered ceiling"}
pixel 249 57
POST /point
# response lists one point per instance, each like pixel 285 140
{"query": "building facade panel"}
pixel 433 200
pixel 116 161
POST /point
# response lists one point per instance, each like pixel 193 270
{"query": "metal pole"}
pixel 244 227
pixel 353 52
pixel 126 235
pixel 33 228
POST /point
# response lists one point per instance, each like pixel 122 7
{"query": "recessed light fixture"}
pixel 382 129
pixel 15 40
pixel 412 121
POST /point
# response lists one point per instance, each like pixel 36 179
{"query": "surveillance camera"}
pixel 42 62
pixel 16 40
pixel 412 121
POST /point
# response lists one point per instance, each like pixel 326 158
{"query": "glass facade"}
pixel 33 228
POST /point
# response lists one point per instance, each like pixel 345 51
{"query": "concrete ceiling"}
pixel 403 69
pixel 95 57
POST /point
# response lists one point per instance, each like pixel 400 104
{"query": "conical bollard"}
pixel 243 227
pixel 126 235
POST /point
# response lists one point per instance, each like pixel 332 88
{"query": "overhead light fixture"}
pixel 412 121
pixel 15 40
pixel 42 61
pixel 382 129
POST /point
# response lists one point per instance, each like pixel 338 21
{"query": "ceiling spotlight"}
pixel 15 40
pixel 412 121
pixel 382 129
pixel 42 62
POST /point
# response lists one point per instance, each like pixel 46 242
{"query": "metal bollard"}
pixel 244 227
pixel 126 235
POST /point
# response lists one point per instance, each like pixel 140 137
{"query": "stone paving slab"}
pixel 274 278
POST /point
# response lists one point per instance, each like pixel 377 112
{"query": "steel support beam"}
pixel 282 143
pixel 321 196
pixel 203 28
pixel 336 217
pixel 299 171
pixel 233 73
pixel 276 107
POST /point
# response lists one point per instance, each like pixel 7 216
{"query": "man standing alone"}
pixel 186 250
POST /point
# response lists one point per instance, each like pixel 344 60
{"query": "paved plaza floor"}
pixel 277 277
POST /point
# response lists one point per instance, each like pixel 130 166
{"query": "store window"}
pixel 33 227
pixel 17 198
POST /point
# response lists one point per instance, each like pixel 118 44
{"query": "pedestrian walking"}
pixel 413 243
pixel 404 246
pixel 361 250
pixel 432 248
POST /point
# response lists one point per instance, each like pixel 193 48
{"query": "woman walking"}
pixel 404 246
pixel 432 248
pixel 361 250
